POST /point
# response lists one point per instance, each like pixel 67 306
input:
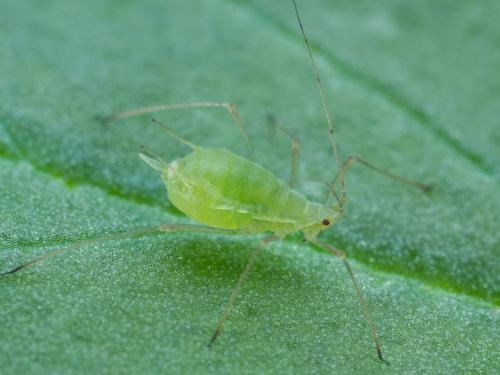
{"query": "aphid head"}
pixel 321 221
pixel 326 222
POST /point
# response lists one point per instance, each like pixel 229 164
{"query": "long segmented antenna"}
pixel 322 93
pixel 340 178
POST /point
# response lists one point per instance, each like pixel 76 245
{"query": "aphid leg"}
pixel 236 289
pixel 340 174
pixel 231 108
pixel 120 235
pixel 295 147
pixel 339 177
pixel 339 254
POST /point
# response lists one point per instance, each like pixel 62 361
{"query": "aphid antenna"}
pixel 341 197
pixel 341 168
pixel 323 100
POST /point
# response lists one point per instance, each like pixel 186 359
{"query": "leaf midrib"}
pixel 86 236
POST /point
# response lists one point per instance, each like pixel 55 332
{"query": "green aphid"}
pixel 220 189
pixel 229 194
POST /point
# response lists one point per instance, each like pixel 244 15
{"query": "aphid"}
pixel 229 194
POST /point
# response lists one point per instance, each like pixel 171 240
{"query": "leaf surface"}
pixel 401 97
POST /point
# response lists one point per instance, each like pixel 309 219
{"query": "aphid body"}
pixel 221 189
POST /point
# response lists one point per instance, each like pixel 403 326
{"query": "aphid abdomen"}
pixel 221 189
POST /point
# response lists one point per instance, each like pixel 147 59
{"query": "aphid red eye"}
pixel 325 222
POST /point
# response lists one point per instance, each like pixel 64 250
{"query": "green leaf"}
pixel 412 87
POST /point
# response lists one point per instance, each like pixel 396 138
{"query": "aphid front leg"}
pixel 295 147
pixel 231 108
pixel 340 254
pixel 236 289
pixel 339 177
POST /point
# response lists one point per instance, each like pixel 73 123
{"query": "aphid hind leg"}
pixel 121 235
pixel 339 177
pixel 236 289
pixel 340 254
pixel 295 148
pixel 231 109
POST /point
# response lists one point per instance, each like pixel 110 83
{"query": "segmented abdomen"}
pixel 221 189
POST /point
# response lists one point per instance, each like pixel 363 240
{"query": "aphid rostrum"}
pixel 229 194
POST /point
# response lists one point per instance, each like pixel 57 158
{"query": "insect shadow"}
pixel 208 260
pixel 204 262
pixel 232 195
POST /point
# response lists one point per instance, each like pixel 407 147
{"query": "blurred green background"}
pixel 413 87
